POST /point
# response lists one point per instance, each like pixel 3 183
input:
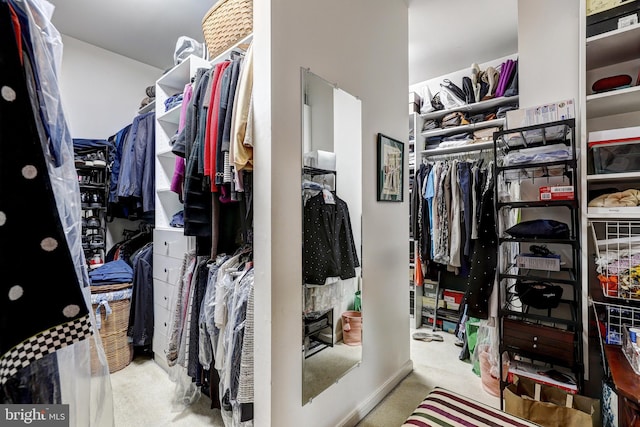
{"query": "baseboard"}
pixel 361 411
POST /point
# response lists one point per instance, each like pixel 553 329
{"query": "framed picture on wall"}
pixel 390 169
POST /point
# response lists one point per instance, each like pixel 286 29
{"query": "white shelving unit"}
pixel 169 243
pixel 608 54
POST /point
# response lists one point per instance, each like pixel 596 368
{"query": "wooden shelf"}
pixel 613 47
pixel 614 102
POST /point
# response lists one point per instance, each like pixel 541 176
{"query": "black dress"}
pixel 42 308
pixel 483 264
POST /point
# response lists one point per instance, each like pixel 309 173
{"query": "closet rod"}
pixel 468 148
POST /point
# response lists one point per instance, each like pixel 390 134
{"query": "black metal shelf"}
pixel 569 163
pixel 569 241
pixel 519 315
pixel 538 275
pixel 309 170
pixel 510 140
pixel 539 204
pixel 92 186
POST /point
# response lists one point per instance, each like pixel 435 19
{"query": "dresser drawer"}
pixel 540 340
pixel 167 269
pixel 162 320
pixel 163 294
pixel 170 243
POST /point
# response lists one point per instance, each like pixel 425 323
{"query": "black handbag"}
pixel 436 103
pixel 459 93
pixel 540 295
pixel 467 87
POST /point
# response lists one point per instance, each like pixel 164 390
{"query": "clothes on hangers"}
pixel 211 341
pixel 43 308
pixel 141 314
pixel 448 208
pixel 328 246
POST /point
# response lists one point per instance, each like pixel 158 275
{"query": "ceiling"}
pixel 145 30
pixel 444 35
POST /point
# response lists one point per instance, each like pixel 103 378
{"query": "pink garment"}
pixel 178 174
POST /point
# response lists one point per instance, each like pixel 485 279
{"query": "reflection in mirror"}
pixel 331 235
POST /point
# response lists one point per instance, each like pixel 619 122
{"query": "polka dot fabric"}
pixel 484 260
pixel 42 307
pixel 328 246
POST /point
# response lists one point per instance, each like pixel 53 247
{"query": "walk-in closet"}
pixel 214 209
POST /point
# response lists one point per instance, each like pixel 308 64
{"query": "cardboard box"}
pixel 556 192
pixel 540 114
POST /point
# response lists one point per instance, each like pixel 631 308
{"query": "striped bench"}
pixel 444 408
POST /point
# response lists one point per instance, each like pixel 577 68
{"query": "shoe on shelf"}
pixel 95 261
pixel 85 243
pixel 95 200
pixel 96 241
pixel 93 222
pixel 99 160
pixel 84 199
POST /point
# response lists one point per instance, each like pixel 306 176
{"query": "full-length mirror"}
pixel 331 235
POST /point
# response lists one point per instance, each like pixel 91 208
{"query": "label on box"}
pixel 557 192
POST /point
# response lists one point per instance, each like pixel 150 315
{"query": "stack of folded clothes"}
pixel 111 273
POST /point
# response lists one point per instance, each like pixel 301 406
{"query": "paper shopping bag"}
pixel 549 406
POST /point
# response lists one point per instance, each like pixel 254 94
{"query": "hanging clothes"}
pixel 140 328
pixel 483 264
pixel 328 246
pixel 43 355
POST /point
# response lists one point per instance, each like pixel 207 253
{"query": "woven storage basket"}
pixel 352 327
pixel 226 23
pixel 113 331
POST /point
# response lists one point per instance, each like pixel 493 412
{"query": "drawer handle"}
pixel 165 323
pixel 535 346
pixel 165 270
pixel 165 298
pixel 535 338
pixel 165 243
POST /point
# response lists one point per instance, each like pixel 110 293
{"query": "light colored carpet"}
pixel 434 364
pixel 143 397
pixel 143 391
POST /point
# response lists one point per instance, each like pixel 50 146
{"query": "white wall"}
pixel 548 48
pixel 101 90
pixel 362 46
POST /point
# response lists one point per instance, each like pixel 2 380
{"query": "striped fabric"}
pixel 445 408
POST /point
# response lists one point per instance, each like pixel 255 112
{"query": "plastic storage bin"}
pixel 616 157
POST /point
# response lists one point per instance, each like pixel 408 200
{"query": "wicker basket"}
pixel 113 331
pixel 352 327
pixel 226 23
